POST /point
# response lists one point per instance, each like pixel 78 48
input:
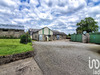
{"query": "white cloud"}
pixel 95 0
pixel 56 14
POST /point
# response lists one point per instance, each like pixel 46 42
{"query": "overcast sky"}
pixel 59 15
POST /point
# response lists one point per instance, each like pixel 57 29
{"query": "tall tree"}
pixel 88 25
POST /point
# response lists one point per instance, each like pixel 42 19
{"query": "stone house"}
pixel 11 30
pixel 46 34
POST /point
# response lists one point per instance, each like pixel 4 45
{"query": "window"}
pixel 5 29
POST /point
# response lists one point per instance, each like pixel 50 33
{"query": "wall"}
pixel 60 37
pixel 64 36
pixel 45 31
pixel 35 36
pixel 11 32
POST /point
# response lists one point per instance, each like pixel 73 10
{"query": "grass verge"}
pixel 13 46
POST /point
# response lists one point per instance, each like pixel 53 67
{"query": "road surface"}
pixel 64 57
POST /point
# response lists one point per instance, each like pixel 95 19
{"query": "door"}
pixel 40 37
pixel 58 37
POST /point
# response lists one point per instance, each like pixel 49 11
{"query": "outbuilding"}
pixel 11 30
pixel 46 34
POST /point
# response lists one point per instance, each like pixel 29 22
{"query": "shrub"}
pixel 29 39
pixel 68 37
pixel 25 39
pixel 9 37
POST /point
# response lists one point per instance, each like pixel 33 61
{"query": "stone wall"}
pixel 60 37
pixel 35 36
pixel 85 38
pixel 11 32
pixel 14 57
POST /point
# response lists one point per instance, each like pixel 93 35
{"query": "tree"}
pixel 88 25
pixel 69 34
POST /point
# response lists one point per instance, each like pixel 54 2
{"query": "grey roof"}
pixel 34 30
pixel 6 26
pixel 31 31
pixel 55 32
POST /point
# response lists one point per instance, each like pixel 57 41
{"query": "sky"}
pixel 59 15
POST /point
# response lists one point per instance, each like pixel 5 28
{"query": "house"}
pixel 11 30
pixel 46 34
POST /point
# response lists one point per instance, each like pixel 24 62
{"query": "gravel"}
pixel 64 57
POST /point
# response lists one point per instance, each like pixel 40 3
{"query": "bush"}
pixel 8 37
pixel 68 37
pixel 29 40
pixel 25 39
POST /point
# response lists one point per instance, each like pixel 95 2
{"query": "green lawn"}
pixel 13 46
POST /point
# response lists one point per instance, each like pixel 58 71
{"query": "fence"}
pixel 95 38
pixel 86 38
pixel 76 37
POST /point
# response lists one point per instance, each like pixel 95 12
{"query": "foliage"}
pixel 68 37
pixel 13 46
pixel 88 25
pixel 69 34
pixel 10 37
pixel 25 38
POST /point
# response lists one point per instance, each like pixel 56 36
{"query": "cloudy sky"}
pixel 59 15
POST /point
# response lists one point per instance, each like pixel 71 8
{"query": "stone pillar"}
pixel 88 37
pixel 84 38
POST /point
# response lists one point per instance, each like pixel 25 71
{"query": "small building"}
pixel 46 34
pixel 11 30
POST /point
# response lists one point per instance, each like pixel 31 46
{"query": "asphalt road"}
pixel 64 57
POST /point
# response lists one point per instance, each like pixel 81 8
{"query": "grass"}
pixel 13 46
pixel 33 40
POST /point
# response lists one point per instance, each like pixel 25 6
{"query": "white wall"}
pixel 46 31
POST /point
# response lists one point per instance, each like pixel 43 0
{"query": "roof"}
pixel 34 30
pixel 16 27
pixel 55 32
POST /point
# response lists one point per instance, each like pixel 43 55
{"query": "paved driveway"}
pixel 65 58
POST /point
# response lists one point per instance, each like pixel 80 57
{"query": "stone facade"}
pixel 46 34
pixel 11 32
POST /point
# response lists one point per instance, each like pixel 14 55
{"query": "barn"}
pixel 11 30
pixel 46 34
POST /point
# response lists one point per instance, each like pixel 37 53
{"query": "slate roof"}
pixel 16 27
pixel 34 30
pixel 55 32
